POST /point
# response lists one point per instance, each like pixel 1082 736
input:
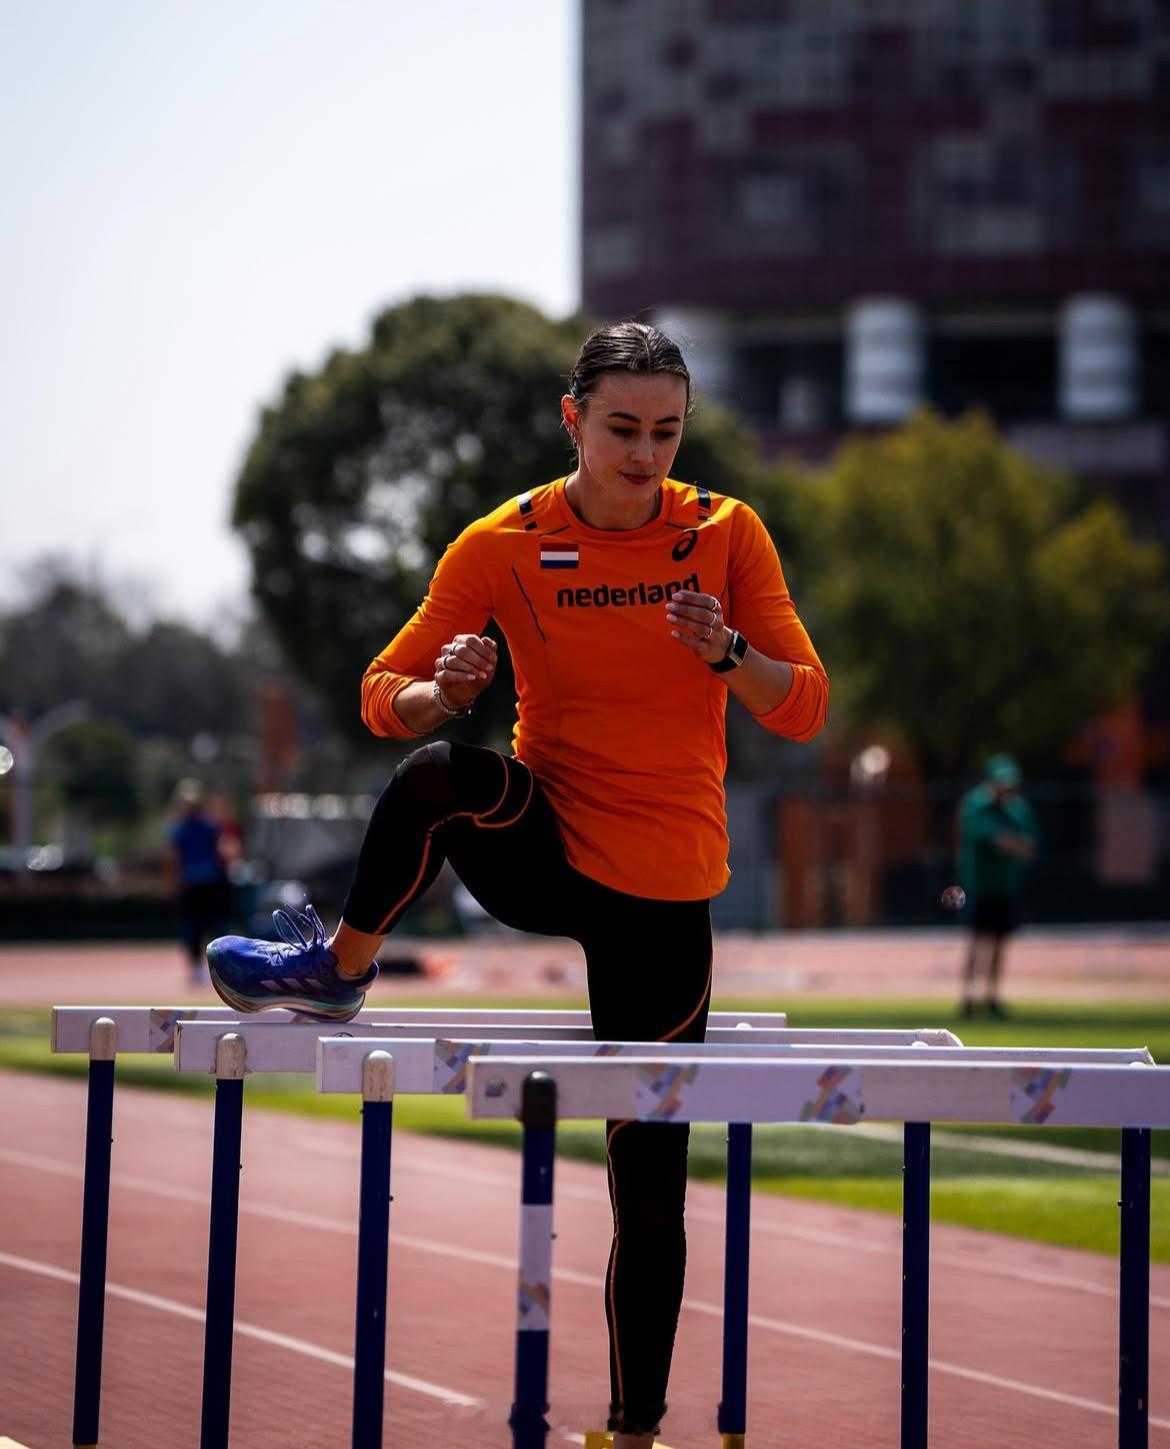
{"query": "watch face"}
pixel 736 653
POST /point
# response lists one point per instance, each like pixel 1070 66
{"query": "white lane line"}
pixel 451 1397
pixel 954 1370
pixel 821 1237
pixel 940 1140
pixel 587 1280
pixel 1004 1147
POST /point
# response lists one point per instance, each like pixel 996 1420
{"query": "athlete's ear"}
pixel 571 416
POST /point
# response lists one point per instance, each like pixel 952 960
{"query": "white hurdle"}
pixel 542 1066
pixel 666 1074
pixel 415 1064
pixel 103 1032
pixel 914 1087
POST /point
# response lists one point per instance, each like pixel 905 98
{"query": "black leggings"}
pixel 649 972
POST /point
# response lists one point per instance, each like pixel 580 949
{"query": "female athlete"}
pixel 631 604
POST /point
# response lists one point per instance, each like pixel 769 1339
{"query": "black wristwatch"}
pixel 736 654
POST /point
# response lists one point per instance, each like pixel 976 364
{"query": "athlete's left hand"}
pixel 696 620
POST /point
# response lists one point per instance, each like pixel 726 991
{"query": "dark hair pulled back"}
pixel 625 347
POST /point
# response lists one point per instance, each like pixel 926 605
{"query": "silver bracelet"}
pixel 445 707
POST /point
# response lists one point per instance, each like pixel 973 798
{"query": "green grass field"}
pixel 1046 1201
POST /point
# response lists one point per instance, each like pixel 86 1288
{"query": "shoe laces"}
pixel 299 929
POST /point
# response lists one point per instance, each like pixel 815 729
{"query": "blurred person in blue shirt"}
pixel 997 841
pixel 199 851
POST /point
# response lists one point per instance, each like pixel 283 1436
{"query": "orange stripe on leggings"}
pixel 402 904
pixel 476 819
pixel 503 794
pixel 617 1358
pixel 670 1035
pixel 485 824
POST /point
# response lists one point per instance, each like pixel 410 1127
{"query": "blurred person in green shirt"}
pixel 997 841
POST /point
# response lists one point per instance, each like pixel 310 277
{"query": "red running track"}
pixel 786 968
pixel 1024 1337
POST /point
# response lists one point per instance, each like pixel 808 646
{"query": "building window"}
pixel 1013 376
pixel 1147 210
pixel 678 52
pixel 610 250
pixel 794 385
pixel 803 202
pixel 983 195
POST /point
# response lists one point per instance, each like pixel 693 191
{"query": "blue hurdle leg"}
pixel 732 1418
pixel 95 1218
pixel 369 1354
pixel 538 1113
pixel 915 1283
pixel 1134 1376
pixel 221 1244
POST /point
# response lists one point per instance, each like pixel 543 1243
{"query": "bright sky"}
pixel 200 197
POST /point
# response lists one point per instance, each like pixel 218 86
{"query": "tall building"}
pixel 851 207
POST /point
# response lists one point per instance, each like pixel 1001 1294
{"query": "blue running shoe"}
pixel 299 971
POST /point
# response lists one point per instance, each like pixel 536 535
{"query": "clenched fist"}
pixel 464 669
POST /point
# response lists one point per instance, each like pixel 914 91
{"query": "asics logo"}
pixel 684 545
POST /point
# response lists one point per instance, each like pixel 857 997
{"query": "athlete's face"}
pixel 627 436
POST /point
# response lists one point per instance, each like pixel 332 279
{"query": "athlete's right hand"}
pixel 464 669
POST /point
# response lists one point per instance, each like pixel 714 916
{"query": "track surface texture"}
pixel 1073 964
pixel 1024 1337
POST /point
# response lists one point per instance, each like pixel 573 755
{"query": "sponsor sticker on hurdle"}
pixel 534 1287
pixel 661 1090
pixel 162 1027
pixel 836 1099
pixel 1034 1092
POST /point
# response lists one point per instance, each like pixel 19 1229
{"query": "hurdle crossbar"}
pixel 1032 1089
pixel 441 1066
pixel 152 1028
pixel 293 1047
pixel 289 1047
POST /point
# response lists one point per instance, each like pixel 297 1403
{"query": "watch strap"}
pixel 736 654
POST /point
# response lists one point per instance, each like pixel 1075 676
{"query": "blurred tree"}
pixel 968 598
pixel 64 641
pixel 92 764
pixel 69 639
pixel 180 683
pixel 361 474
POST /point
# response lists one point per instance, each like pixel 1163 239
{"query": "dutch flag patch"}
pixel 559 555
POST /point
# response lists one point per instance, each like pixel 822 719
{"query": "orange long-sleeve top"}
pixel 623 725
